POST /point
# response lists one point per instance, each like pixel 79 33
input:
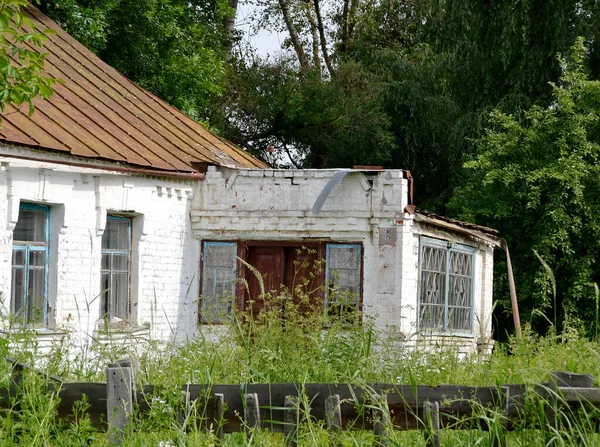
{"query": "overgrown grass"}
pixel 269 349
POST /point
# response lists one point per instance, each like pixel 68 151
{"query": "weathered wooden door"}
pixel 270 264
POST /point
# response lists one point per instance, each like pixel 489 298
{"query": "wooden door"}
pixel 302 277
pixel 270 264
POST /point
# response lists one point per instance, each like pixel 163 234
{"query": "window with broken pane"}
pixel 219 279
pixel 343 279
pixel 115 270
pixel 29 291
pixel 446 286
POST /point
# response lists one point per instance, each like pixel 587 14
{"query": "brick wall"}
pixel 276 205
pixel 165 257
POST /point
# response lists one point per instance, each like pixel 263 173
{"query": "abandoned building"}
pixel 119 215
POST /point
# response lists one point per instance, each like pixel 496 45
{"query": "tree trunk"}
pixel 287 18
pixel 323 41
pixel 230 29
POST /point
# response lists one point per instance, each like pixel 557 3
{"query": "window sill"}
pixel 446 334
pixel 33 330
pixel 120 328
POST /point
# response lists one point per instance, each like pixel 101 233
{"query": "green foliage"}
pixel 535 177
pixel 175 48
pixel 22 75
pixel 313 122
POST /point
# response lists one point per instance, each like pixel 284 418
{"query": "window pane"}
pixel 120 263
pixel 35 298
pixel 105 294
pixel 343 283
pixel 432 317
pixel 115 269
pixel 460 290
pixel 18 289
pixel 105 262
pixel 120 295
pixel 37 258
pixel 219 279
pixel 31 226
pixel 18 258
pixel 116 234
pixel 445 298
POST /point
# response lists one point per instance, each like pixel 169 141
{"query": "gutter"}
pixel 119 169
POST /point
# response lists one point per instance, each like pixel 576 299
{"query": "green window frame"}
pixel 343 283
pixel 219 281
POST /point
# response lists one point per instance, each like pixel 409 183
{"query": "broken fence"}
pixel 282 407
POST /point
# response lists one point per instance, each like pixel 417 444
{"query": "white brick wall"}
pixel 276 205
pixel 165 258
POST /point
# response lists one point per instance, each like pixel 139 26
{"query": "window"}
pixel 284 267
pixel 342 294
pixel 219 278
pixel 446 295
pixel 115 273
pixel 29 293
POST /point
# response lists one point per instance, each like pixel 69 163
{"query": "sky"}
pixel 265 42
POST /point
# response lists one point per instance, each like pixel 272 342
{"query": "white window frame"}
pixel 449 248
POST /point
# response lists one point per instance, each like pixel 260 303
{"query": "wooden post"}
pixel 333 414
pixel 431 421
pixel 291 420
pixel 380 420
pixel 219 400
pixel 119 404
pixel 498 429
pixel 551 413
pixel 251 412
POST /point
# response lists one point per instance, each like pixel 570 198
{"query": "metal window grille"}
pixel 446 288
pixel 115 271
pixel 219 279
pixel 29 292
pixel 343 280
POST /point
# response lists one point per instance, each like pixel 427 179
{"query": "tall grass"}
pixel 269 349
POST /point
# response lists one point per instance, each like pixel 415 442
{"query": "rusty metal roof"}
pixel 459 223
pixel 100 114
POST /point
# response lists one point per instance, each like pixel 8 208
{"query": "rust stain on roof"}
pixel 100 114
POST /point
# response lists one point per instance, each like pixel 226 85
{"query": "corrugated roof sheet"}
pixel 100 114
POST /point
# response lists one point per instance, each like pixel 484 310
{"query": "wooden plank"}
pixel 567 379
pixel 583 395
pixel 119 405
pixel 380 420
pixel 431 422
pixel 333 413
pixel 291 421
pixel 251 412
pixel 334 419
pixel 95 396
pixel 218 416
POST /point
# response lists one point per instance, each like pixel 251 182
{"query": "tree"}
pixel 21 62
pixel 303 120
pixel 176 49
pixel 536 178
